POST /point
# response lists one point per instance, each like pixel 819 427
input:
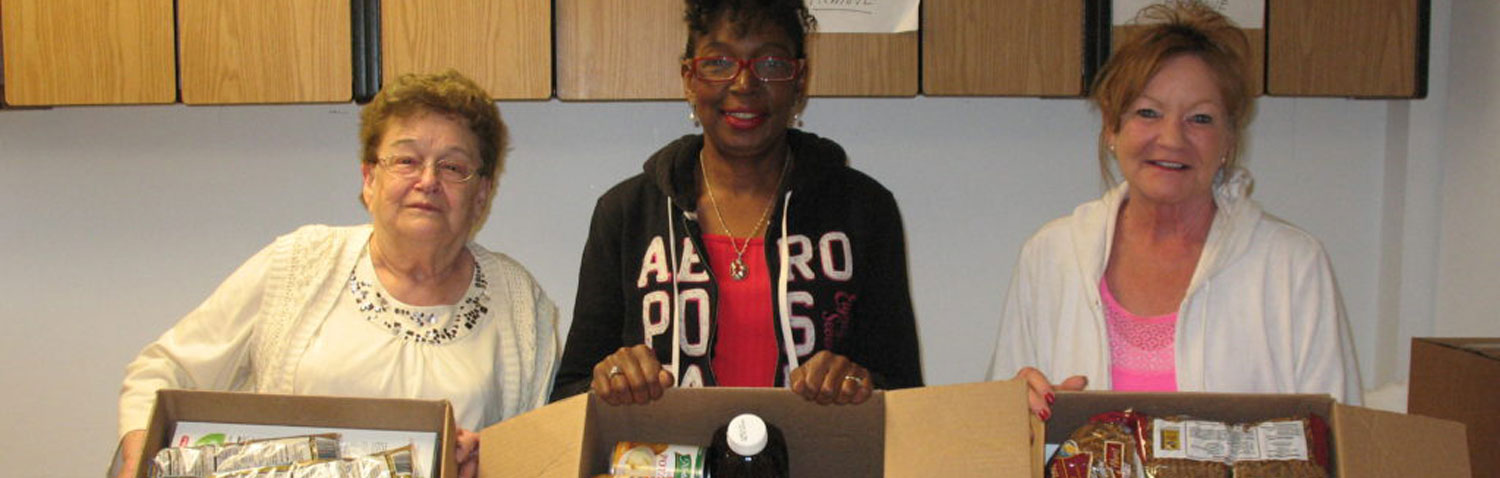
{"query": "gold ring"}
pixel 856 380
pixel 614 370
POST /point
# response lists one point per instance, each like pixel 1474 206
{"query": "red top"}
pixel 744 352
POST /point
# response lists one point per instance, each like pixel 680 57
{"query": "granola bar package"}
pixel 1180 447
pixel 1282 448
pixel 202 461
pixel 394 463
pixel 1106 447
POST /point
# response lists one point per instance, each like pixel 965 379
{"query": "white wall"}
pixel 1468 302
pixel 114 221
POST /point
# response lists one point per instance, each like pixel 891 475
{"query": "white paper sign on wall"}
pixel 865 16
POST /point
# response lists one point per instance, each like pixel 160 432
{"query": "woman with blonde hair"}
pixel 1175 279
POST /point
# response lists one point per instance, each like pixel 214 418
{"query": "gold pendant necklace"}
pixel 737 269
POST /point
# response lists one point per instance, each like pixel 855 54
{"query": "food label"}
pixel 1190 440
pixel 656 460
pixel 1278 440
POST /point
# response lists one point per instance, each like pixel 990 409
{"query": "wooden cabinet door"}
pixel 1003 47
pixel 1359 48
pixel 503 45
pixel 863 64
pixel 264 51
pixel 620 49
pixel 78 52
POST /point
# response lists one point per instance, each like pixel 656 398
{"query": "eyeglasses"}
pixel 448 170
pixel 727 68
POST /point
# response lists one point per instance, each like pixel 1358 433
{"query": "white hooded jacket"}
pixel 1262 313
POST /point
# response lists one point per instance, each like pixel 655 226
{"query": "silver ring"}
pixel 613 370
pixel 856 380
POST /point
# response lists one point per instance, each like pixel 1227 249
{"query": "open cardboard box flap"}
pixel 952 431
pixel 1381 444
pixel 174 406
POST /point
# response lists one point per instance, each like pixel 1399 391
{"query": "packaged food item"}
pixel 1106 447
pixel 748 447
pixel 201 461
pixel 1180 447
pixel 1283 448
pixel 654 460
pixel 394 463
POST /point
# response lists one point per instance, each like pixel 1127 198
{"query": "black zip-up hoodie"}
pixel 841 286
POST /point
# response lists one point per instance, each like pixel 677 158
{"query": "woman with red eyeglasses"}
pixel 750 255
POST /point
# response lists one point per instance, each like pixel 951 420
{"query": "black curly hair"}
pixel 744 15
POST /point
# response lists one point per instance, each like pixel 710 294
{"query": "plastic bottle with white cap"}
pixel 748 447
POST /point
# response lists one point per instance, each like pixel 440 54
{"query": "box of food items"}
pixel 969 430
pixel 1454 379
pixel 1183 435
pixel 983 430
pixel 246 435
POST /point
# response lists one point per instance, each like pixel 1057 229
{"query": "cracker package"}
pixel 1180 447
pixel 1282 448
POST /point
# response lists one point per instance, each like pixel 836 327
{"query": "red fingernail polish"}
pixel 1051 398
pixel 1046 414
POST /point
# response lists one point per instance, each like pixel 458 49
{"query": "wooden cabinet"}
pixel 632 50
pixel 81 52
pixel 863 64
pixel 1003 47
pixel 620 49
pixel 1360 48
pixel 503 45
pixel 264 51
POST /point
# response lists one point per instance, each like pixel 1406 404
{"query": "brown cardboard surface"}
pixel 173 406
pixel 1454 379
pixel 1384 444
pixel 958 430
pixel 971 430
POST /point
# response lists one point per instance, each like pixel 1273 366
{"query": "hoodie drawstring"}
pixel 783 305
pixel 676 297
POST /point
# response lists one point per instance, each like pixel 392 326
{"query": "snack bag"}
pixel 1283 448
pixel 1106 447
pixel 1179 447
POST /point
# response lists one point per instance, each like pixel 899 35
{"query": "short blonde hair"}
pixel 1176 27
pixel 448 93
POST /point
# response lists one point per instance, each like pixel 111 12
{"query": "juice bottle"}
pixel 748 447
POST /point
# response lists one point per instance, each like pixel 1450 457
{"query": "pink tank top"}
pixel 1142 350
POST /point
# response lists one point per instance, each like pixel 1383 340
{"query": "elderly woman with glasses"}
pixel 750 255
pixel 405 307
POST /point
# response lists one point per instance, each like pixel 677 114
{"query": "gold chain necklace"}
pixel 737 268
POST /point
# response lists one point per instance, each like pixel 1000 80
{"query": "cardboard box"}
pixel 1365 443
pixel 956 431
pixel 969 430
pixel 1455 379
pixel 174 406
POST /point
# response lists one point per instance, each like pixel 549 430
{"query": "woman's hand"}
pixel 130 452
pixel 1040 391
pixel 468 454
pixel 832 378
pixel 631 375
